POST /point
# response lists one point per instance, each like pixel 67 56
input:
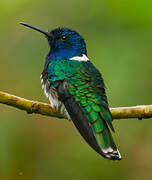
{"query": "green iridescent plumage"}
pixel 86 84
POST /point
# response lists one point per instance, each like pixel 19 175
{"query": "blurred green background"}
pixel 118 36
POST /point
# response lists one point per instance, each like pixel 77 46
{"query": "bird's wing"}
pixel 81 88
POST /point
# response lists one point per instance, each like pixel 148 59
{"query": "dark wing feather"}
pixel 78 117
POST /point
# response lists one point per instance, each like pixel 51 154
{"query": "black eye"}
pixel 63 38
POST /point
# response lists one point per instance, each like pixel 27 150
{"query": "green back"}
pixel 86 84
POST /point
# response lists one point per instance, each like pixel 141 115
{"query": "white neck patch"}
pixel 80 58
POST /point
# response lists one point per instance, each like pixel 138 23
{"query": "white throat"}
pixel 80 58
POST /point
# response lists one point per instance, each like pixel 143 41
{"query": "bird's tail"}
pixel 106 143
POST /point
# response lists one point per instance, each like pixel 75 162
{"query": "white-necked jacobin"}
pixel 75 87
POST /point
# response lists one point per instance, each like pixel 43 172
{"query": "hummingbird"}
pixel 75 86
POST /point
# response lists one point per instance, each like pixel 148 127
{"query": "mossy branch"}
pixel 142 111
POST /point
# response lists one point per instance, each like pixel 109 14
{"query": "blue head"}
pixel 64 43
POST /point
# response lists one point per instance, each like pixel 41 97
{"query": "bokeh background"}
pixel 119 41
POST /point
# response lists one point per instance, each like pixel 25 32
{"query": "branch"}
pixel 28 105
pixel 142 111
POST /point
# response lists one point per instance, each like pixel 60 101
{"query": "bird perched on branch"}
pixel 75 87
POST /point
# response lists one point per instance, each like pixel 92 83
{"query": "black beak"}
pixel 47 33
